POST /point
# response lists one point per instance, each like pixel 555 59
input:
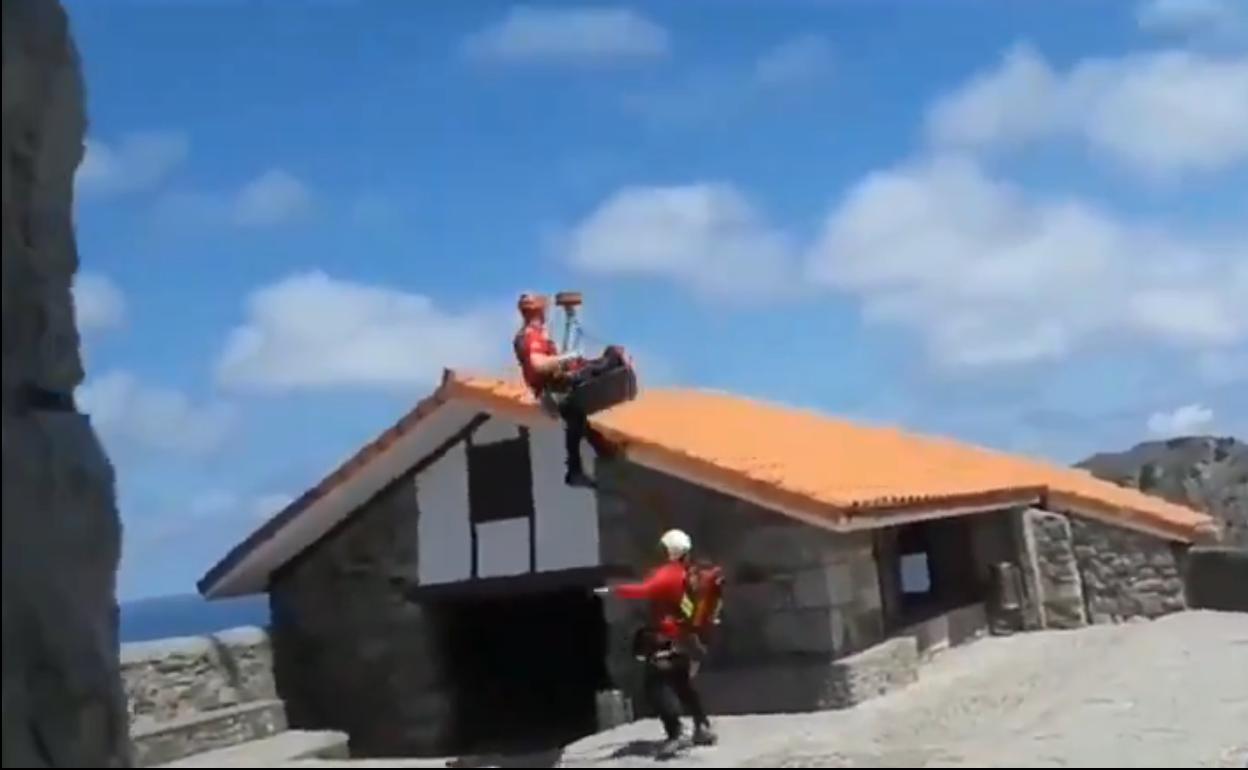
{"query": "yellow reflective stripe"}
pixel 686 606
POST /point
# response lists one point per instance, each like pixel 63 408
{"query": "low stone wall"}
pixel 1126 574
pixel 168 679
pixel 948 629
pixel 802 684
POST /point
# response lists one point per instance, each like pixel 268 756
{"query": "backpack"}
pixel 703 601
pixel 699 613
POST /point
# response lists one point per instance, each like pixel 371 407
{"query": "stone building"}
pixel 432 593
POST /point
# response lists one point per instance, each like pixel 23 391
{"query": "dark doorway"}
pixel 526 668
pixel 926 568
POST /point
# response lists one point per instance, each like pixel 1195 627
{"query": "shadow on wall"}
pixel 1216 578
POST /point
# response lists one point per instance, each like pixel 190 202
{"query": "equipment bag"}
pixel 703 601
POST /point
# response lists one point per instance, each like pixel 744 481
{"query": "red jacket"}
pixel 664 589
pixel 530 340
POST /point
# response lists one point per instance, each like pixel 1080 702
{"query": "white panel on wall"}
pixel 567 518
pixel 503 548
pixel 445 546
pixel 495 430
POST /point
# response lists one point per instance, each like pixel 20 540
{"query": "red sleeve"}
pixel 665 581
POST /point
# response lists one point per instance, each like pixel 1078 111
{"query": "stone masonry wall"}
pixel 1082 571
pixel 1126 574
pixel 63 701
pixel 351 652
pixel 1059 586
pixel 795 593
pixel 170 678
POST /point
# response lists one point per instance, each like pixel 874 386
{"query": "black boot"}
pixel 578 479
pixel 703 735
pixel 671 748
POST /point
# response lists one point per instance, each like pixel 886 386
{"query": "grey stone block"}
pixel 161 742
pixel 756 599
pixel 790 546
pixel 804 684
pixel 824 586
pixel 866 582
pixel 801 631
pixel 288 746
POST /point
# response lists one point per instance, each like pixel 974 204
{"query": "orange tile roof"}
pixel 847 472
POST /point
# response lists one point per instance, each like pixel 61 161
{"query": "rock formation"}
pixel 63 702
pixel 1207 473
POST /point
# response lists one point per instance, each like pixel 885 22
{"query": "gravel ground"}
pixel 1167 693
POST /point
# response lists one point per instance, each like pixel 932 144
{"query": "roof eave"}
pixel 215 583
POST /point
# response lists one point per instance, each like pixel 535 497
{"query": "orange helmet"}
pixel 530 304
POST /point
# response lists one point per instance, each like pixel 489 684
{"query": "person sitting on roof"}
pixel 552 376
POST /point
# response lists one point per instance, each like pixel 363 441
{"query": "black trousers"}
pixel 575 421
pixel 669 687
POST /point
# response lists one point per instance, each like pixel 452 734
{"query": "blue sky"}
pixel 1021 224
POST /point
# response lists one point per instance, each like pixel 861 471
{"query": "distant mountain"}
pixel 189 615
pixel 1207 473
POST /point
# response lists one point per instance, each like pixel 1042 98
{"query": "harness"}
pixel 697 615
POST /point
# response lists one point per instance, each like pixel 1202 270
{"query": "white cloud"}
pixel 529 33
pixel 99 304
pixel 270 199
pixel 1184 421
pixel 988 276
pixel 313 332
pixel 798 60
pixel 140 161
pixel 1213 20
pixel 719 93
pixel 273 198
pixel 707 236
pixel 151 417
pixel 1161 113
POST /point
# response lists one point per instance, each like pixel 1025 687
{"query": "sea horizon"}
pixel 189 614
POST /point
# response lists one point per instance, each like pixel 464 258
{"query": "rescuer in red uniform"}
pixel 551 376
pixel 669 667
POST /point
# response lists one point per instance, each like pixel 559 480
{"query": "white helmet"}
pixel 677 543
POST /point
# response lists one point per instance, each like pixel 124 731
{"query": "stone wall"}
pixel 1059 587
pixel 796 593
pixel 1082 571
pixel 167 679
pixel 63 701
pixel 808 684
pixel 1126 574
pixel 351 651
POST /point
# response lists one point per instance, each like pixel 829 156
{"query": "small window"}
pixel 915 575
pixel 500 481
